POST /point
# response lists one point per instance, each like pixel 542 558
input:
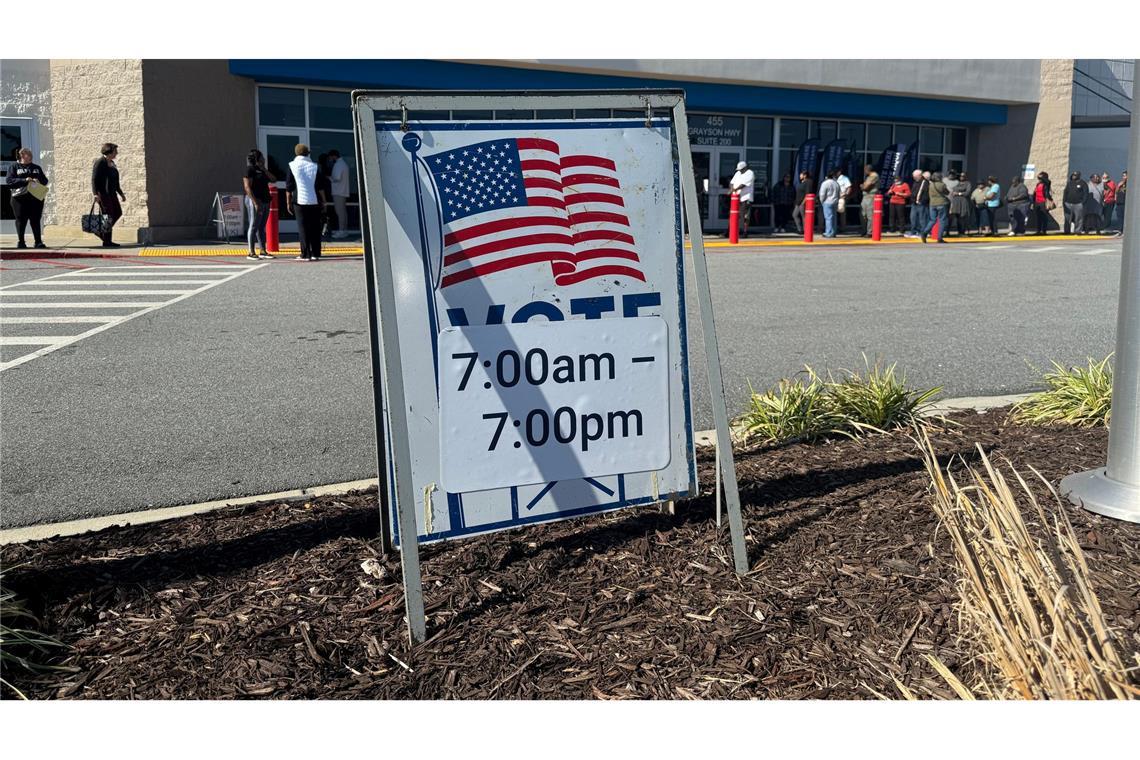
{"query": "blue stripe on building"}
pixel 699 96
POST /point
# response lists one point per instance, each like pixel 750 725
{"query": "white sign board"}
pixel 552 401
pixel 543 247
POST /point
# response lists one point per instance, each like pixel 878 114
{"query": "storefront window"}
pixel 955 141
pixel 760 162
pixel 592 113
pixel 906 134
pixel 879 138
pixel 554 113
pixel 793 132
pixel 930 163
pixel 824 130
pixel 760 132
pixel 853 133
pixel 931 140
pixel 329 110
pixel 514 114
pixel 280 107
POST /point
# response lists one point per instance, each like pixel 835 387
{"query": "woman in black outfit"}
pixel 105 186
pixel 26 207
pixel 257 199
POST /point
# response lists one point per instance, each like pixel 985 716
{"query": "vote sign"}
pixel 540 308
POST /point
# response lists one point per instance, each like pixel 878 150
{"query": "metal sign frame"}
pixel 385 339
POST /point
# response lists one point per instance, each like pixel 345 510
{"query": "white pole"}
pixel 1115 489
pixel 717 484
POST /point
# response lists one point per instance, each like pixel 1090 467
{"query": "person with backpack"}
pixel 920 202
pixel 1017 198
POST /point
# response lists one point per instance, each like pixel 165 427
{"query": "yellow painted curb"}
pixel 283 253
pixel 786 243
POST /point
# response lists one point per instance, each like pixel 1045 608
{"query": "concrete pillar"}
pixel 94 102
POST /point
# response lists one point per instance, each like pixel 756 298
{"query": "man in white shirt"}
pixel 829 195
pixel 743 182
pixel 340 193
pixel 844 195
pixel 301 183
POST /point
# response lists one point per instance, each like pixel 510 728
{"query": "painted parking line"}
pixel 66 320
pixel 13 297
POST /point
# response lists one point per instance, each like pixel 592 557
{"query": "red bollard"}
pixel 272 226
pixel 937 226
pixel 877 218
pixel 809 218
pixel 734 218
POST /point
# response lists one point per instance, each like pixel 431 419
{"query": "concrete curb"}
pixel 77 527
pixel 131 253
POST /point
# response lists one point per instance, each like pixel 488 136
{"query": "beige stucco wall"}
pixel 93 102
pixel 199 126
pixel 1034 134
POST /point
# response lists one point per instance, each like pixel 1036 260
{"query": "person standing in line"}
pixel 978 199
pixel 23 176
pixel 1094 204
pixel 744 182
pixel 920 203
pixel 257 201
pixel 1074 197
pixel 341 189
pixel 1121 197
pixel 1017 199
pixel 845 188
pixel 301 183
pixel 806 188
pixel 783 201
pixel 898 193
pixel 829 195
pixel 1109 202
pixel 939 206
pixel 869 186
pixel 993 203
pixel 1043 202
pixel 959 187
pixel 106 188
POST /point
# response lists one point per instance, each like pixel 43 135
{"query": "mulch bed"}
pixel 852 583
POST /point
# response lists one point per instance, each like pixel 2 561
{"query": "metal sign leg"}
pixel 712 353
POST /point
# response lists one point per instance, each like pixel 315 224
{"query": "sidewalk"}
pixel 86 247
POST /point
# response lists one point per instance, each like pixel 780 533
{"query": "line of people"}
pixel 953 203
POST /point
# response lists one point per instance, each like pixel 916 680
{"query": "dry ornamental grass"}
pixel 1027 605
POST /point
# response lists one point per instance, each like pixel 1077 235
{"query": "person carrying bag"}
pixel 107 193
pixel 28 185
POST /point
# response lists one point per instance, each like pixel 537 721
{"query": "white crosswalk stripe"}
pixel 92 285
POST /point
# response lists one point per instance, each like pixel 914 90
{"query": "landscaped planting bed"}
pixel 852 583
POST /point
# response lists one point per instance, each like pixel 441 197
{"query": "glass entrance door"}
pixel 277 143
pixel 713 169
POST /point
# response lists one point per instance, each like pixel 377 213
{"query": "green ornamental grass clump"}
pixel 1080 396
pixel 808 407
pixel 21 647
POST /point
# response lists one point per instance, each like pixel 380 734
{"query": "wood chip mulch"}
pixel 852 583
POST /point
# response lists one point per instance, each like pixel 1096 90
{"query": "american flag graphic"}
pixel 518 201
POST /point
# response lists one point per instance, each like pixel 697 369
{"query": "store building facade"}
pixel 184 127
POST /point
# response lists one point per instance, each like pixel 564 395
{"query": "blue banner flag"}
pixel 807 159
pixel 833 157
pixel 891 165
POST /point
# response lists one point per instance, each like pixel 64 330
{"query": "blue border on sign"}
pixel 679 234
